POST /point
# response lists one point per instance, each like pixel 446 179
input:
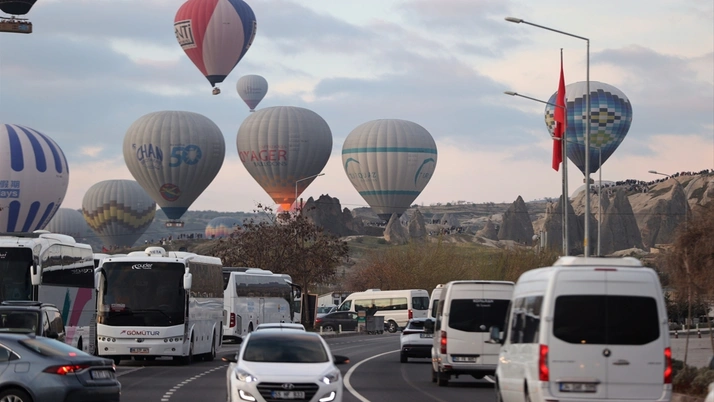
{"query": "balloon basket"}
pixel 174 224
pixel 15 25
pixel 216 91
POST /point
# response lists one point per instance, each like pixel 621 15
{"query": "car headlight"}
pixel 244 376
pixel 331 376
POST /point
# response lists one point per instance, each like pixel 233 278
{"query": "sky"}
pixel 93 67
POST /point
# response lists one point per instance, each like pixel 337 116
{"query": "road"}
pixel 374 374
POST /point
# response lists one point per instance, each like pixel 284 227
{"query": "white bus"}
pixel 255 296
pixel 155 303
pixel 52 268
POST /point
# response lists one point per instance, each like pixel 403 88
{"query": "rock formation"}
pixel 664 217
pixel 619 229
pixel 553 227
pixel 516 225
pixel 490 231
pixel 417 226
pixel 395 233
pixel 326 212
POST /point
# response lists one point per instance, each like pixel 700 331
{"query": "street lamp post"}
pixel 296 186
pixel 564 148
pixel 599 197
pixel 586 238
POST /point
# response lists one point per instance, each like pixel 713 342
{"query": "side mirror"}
pixel 51 334
pixel 495 335
pixel 187 281
pixel 97 278
pixel 429 326
pixel 35 275
pixel 230 359
pixel 339 359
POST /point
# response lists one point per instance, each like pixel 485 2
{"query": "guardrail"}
pixel 698 332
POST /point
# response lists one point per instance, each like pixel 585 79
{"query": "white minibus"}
pixel 434 300
pixel 396 306
pixel 586 329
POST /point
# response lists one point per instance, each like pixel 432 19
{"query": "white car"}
pixel 710 395
pixel 280 325
pixel 414 341
pixel 273 364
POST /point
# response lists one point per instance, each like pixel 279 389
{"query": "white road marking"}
pixel 169 393
pixel 351 370
pixel 121 372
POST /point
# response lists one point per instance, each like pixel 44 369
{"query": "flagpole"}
pixel 566 201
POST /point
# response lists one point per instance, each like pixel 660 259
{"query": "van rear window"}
pixel 420 303
pixel 477 315
pixel 606 320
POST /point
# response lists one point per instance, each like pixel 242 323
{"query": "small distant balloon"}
pixel 70 222
pixel 215 34
pixel 16 7
pixel 34 176
pixel 252 89
pixel 610 120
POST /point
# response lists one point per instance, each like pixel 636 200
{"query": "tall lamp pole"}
pixel 586 237
pixel 564 148
pixel 303 179
pixel 599 197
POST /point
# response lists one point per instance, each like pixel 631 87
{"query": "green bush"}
pixel 381 241
pixel 700 385
pixel 691 380
pixel 682 382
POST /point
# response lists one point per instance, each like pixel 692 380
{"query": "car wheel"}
pixel 442 379
pixel 117 360
pixel 403 358
pixel 497 389
pixel 328 328
pixel 433 374
pixel 392 326
pixel 526 394
pixel 14 395
pixel 212 354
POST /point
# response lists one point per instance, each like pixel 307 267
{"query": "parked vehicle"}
pixel 283 365
pixel 434 300
pixel 415 341
pixel 586 329
pixel 22 316
pixel 396 306
pixel 40 369
pixel 332 321
pixel 280 325
pixel 466 312
pixel 322 310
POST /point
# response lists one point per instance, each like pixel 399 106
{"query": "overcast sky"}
pixel 92 67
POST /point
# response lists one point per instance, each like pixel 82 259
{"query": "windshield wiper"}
pixel 154 310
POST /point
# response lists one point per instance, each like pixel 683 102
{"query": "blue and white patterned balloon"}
pixel 34 176
pixel 610 120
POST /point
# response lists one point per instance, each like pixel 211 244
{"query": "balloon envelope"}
pixel 389 162
pixel 16 7
pixel 215 34
pixel 252 89
pixel 222 226
pixel 119 211
pixel 70 222
pixel 34 176
pixel 610 120
pixel 280 146
pixel 174 156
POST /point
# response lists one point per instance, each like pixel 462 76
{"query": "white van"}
pixel 464 316
pixel 586 329
pixel 396 306
pixel 434 300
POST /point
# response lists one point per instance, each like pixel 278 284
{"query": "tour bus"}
pixel 52 268
pixel 396 306
pixel 155 303
pixel 252 297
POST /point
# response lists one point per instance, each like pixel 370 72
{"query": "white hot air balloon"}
pixel 280 146
pixel 34 176
pixel 70 222
pixel 389 162
pixel 252 89
pixel 174 156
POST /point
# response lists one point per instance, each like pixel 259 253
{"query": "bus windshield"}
pixel 15 283
pixel 141 294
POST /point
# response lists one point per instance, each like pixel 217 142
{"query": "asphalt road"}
pixel 374 374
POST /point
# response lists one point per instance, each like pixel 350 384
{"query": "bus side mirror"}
pixel 187 280
pixel 35 275
pixel 97 278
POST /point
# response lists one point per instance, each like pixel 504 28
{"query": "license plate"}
pixel 102 374
pixel 578 387
pixel 464 359
pixel 288 394
pixel 426 335
pixel 138 350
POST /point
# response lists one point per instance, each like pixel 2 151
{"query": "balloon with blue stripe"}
pixel 389 162
pixel 610 120
pixel 34 176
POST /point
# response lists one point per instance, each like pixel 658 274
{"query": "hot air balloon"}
pixel 389 162
pixel 280 146
pixel 610 119
pixel 222 226
pixel 16 7
pixel 33 178
pixel 174 156
pixel 70 222
pixel 252 89
pixel 119 211
pixel 215 34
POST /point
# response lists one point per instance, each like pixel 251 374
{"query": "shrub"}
pixel 691 380
pixel 700 384
pixel 682 382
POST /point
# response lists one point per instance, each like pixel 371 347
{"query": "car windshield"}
pixel 278 348
pixel 19 321
pixel 420 303
pixel 51 347
pixel 324 309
